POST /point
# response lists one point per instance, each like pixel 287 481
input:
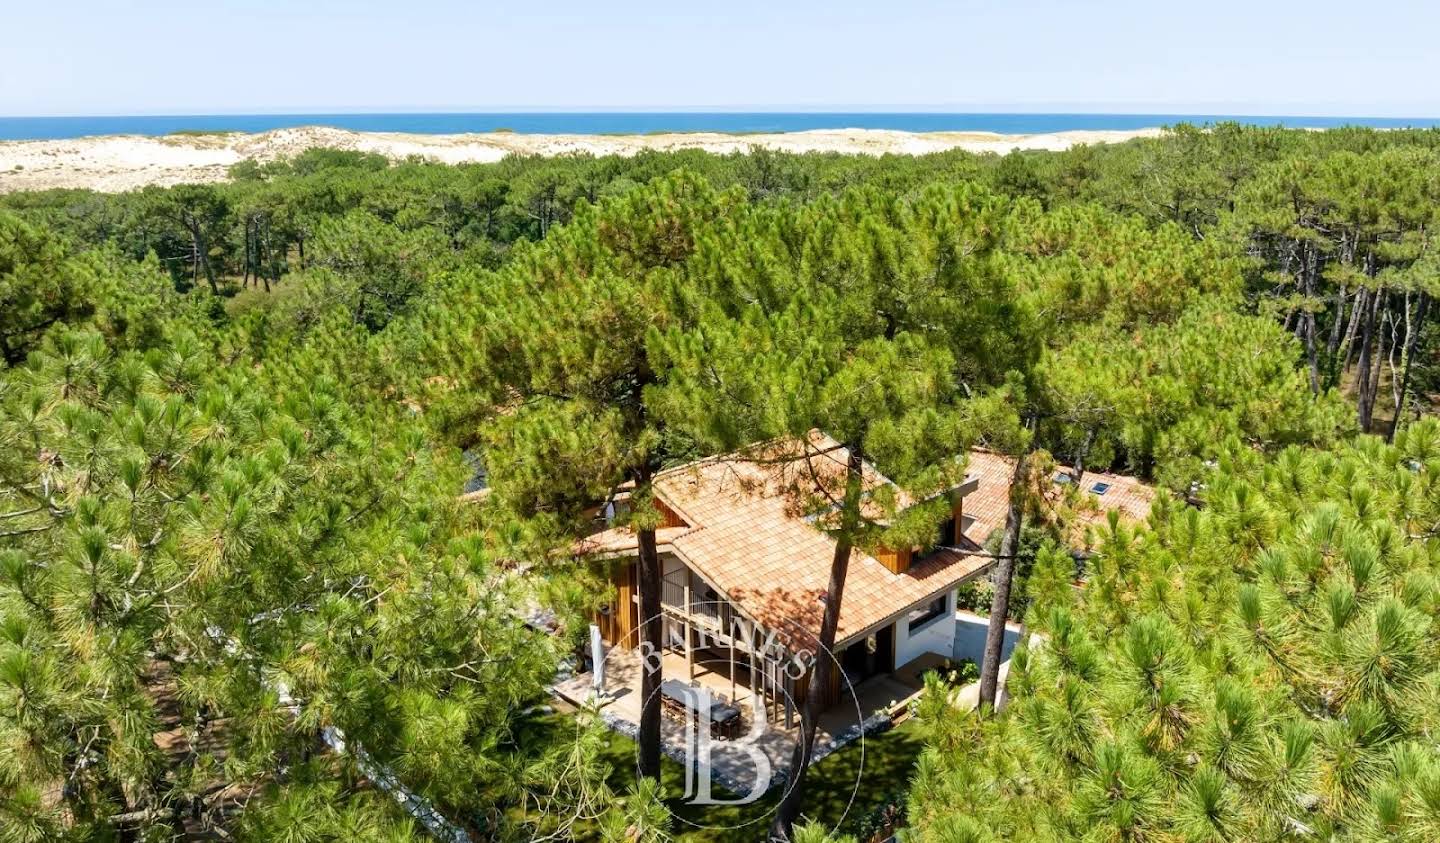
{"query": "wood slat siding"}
pixel 617 626
pixel 668 516
pixel 897 561
pixel 832 693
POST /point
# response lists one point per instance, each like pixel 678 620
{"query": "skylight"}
pixel 1062 478
pixel 1100 488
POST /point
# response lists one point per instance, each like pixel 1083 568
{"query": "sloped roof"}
pixel 1131 497
pixel 748 540
pixel 747 535
pixel 618 541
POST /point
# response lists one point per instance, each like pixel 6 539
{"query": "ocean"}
pixel 602 123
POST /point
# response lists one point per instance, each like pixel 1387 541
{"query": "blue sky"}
pixel 1320 57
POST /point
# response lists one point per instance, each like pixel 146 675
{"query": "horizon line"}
pixel 1099 111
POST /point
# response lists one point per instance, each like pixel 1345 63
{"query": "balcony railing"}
pixel 672 593
pixel 718 615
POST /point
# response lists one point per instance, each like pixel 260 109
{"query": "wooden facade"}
pixel 668 516
pixel 619 620
pixel 896 561
pixel 832 692
pixel 717 639
pixel 899 561
pixel 694 620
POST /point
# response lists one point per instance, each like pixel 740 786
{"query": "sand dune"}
pixel 124 162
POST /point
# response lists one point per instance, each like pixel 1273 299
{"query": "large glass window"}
pixel 922 616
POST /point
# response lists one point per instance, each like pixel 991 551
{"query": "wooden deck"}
pixel 731 763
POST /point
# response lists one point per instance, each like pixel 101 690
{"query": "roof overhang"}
pixel 879 625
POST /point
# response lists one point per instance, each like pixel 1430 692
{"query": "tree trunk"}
pixel 824 660
pixel 267 264
pixel 648 582
pixel 1005 575
pixel 1383 318
pixel 1364 407
pixel 1412 340
pixel 249 238
pixel 1337 323
pixel 194 261
pixel 1077 472
pixel 1310 354
pixel 1397 344
pixel 649 578
pixel 202 256
pixel 1332 347
pixel 1308 269
pixel 1357 314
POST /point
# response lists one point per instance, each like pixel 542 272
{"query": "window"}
pixel 944 537
pixel 922 616
pixel 1100 488
pixel 947 533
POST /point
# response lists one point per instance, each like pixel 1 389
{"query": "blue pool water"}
pixel 595 123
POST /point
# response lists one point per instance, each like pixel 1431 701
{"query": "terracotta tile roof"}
pixel 986 505
pixel 1129 496
pixel 1132 498
pixel 750 540
pixel 621 541
pixel 827 470
pixel 748 536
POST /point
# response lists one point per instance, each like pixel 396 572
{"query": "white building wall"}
pixel 970 632
pixel 938 636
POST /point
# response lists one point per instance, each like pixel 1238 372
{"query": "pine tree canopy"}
pixel 243 597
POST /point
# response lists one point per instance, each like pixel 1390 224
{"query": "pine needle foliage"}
pixel 1283 687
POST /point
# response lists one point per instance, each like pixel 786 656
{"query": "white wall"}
pixel 970 631
pixel 938 636
pixel 969 642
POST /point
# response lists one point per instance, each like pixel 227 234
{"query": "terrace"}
pixel 731 763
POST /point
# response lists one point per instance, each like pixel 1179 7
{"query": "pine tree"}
pixel 557 342
pixel 1004 578
pixel 1263 668
pixel 854 355
pixel 201 563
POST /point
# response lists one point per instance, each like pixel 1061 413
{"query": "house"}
pixel 745 574
pixel 1103 492
pixel 746 569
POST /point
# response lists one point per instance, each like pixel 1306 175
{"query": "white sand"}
pixel 124 162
